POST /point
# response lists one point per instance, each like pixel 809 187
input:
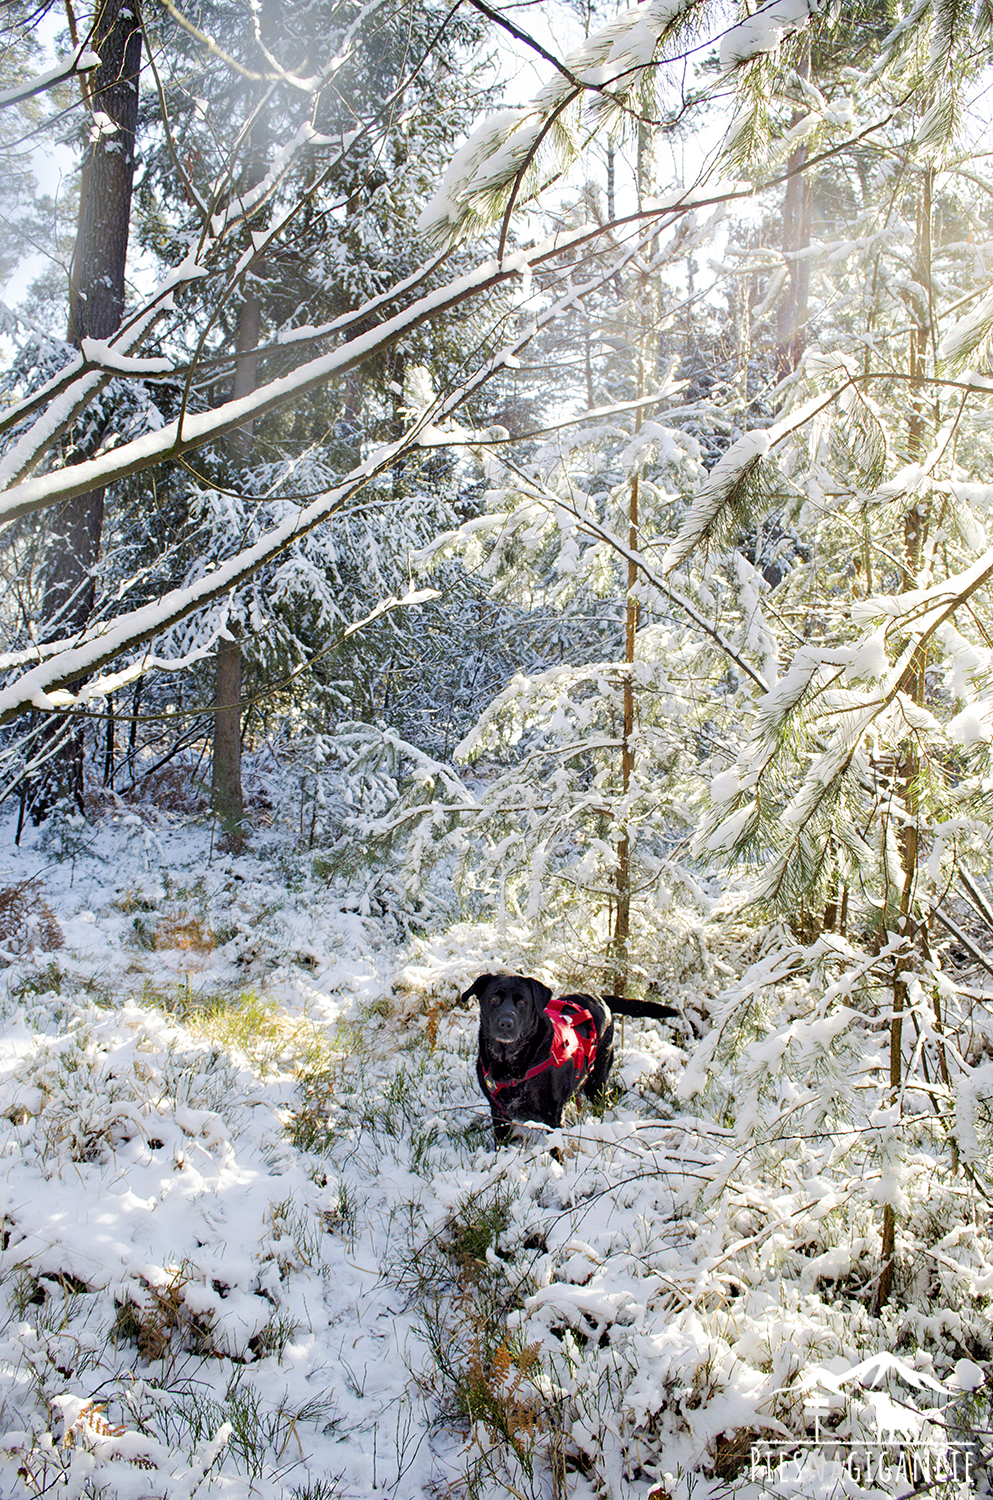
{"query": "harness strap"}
pixel 494 1086
pixel 573 1040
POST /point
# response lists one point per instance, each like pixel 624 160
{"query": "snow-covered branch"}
pixel 183 435
pixel 83 60
pixel 107 640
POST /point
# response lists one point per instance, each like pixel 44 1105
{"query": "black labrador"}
pixel 536 1052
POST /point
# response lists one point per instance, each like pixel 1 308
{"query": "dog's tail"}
pixel 644 1008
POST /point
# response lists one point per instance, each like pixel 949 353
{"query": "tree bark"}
pixel 791 329
pixel 227 794
pixel 96 294
pixel 622 879
pixel 226 791
pixel 915 529
pixel 622 923
pixel 96 306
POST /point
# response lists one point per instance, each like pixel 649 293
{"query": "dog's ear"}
pixel 477 987
pixel 541 992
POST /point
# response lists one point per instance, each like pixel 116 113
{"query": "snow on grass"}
pixel 256 1240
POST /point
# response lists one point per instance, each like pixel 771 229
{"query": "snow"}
pixel 763 31
pixel 83 60
pixel 615 56
pixel 968 333
pixel 231 1175
pixel 70 395
pixel 197 428
pixel 870 659
pixel 495 150
pixel 102 352
pixel 973 725
pixel 731 469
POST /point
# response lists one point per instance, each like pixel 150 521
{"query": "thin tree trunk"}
pixel 622 922
pixel 108 757
pixel 227 794
pixel 622 919
pixel 915 526
pixel 791 331
pixel 226 790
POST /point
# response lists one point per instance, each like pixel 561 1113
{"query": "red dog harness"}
pixel 573 1041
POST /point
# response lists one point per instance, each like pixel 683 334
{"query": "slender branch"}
pixel 523 170
pixel 979 900
pixel 178 167
pixel 965 940
pixel 595 529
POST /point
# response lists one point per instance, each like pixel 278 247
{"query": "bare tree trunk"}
pixel 622 879
pixel 96 306
pixel 622 922
pixel 108 753
pixel 227 795
pixel 226 790
pixel 791 329
pixel 915 528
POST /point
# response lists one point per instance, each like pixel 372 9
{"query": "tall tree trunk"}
pixel 791 329
pixel 96 306
pixel 227 795
pixel 622 878
pixel 622 923
pixel 226 790
pixel 915 529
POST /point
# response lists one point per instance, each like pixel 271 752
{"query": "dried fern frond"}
pixel 27 921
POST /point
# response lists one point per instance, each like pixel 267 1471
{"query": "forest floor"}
pixel 256 1240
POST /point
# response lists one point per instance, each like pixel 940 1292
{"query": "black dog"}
pixel 536 1052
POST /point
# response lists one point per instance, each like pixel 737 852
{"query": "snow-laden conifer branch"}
pixel 764 30
pixel 177 438
pixel 66 395
pixel 610 65
pixel 724 501
pixel 728 495
pixel 969 335
pixel 816 809
pixel 82 60
pixel 106 640
pixel 596 529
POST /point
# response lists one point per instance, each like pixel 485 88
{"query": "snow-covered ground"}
pixel 256 1241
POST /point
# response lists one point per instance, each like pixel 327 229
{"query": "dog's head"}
pixel 511 1008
